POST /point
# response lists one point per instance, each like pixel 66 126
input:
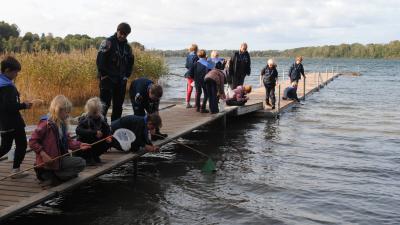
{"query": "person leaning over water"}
pixel 296 70
pixel 51 139
pixel 191 59
pixel 290 93
pixel 214 81
pixel 145 97
pixel 12 125
pixel 198 72
pixel 240 67
pixel 141 126
pixel 114 64
pixel 270 79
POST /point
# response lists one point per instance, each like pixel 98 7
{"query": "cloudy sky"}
pixel 174 24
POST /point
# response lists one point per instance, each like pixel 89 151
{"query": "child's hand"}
pixel 85 146
pixel 99 134
pixel 109 139
pixel 46 158
pixel 28 105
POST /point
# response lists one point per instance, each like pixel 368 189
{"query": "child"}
pixel 270 79
pixel 198 72
pixel 12 125
pixel 93 127
pixel 215 61
pixel 296 70
pixel 237 97
pixel 191 59
pixel 141 127
pixel 290 93
pixel 214 81
pixel 51 139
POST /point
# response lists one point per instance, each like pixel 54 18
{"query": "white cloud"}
pixel 171 24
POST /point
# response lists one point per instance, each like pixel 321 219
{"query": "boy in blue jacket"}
pixel 12 125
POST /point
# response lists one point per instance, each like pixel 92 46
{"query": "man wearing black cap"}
pixel 114 64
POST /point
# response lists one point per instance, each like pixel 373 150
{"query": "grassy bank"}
pixel 45 75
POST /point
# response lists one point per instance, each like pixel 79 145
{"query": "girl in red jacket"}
pixel 51 139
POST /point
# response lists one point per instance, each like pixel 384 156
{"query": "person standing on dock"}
pixel 240 67
pixel 198 72
pixel 12 125
pixel 145 98
pixel 191 59
pixel 269 76
pixel 114 64
pixel 214 81
pixel 296 70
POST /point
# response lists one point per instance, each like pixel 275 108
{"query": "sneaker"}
pixel 204 111
pixel 17 173
pixel 188 105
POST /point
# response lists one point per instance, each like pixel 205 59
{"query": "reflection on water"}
pixel 333 160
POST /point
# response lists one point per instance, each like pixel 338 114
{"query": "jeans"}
pixel 115 92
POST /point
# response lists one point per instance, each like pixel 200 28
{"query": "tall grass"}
pixel 45 74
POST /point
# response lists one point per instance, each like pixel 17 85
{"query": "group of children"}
pixel 51 138
pixel 209 76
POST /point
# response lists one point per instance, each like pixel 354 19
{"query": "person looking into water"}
pixel 145 97
pixel 269 76
pixel 191 59
pixel 240 67
pixel 214 81
pixel 290 93
pixel 12 125
pixel 114 64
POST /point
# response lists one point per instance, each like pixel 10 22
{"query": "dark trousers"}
pixel 7 139
pixel 211 88
pixel 115 92
pixel 270 93
pixel 200 88
pixel 95 151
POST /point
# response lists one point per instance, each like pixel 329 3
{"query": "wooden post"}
pixel 326 76
pixel 304 88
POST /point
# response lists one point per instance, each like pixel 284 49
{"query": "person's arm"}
pixel 9 101
pixel 105 128
pixel 83 130
pixel 35 141
pixel 131 61
pixel 102 58
pixel 302 71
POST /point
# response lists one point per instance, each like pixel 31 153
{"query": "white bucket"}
pixel 10 155
pixel 221 106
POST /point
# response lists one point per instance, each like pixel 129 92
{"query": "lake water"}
pixel 333 160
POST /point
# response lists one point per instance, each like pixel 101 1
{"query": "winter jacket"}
pixel 191 59
pixel 115 59
pixel 270 75
pixel 238 94
pixel 199 70
pixel 46 137
pixel 290 93
pixel 219 77
pixel 10 105
pixel 139 94
pixel 240 66
pixel 88 127
pixel 136 124
pixel 295 71
pixel 217 63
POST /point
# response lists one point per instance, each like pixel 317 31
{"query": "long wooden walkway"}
pixel 17 195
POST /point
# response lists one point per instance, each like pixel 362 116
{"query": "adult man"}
pixel 114 64
pixel 239 67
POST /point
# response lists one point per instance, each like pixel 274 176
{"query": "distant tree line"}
pixel 11 41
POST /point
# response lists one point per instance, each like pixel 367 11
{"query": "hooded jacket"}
pixel 270 75
pixel 136 124
pixel 10 105
pixel 295 71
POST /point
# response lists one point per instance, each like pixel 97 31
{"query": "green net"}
pixel 209 166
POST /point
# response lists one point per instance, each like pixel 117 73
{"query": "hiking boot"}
pixel 188 105
pixel 267 103
pixel 204 111
pixel 17 173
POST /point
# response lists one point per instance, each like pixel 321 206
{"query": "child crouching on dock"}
pixel 93 127
pixel 51 139
pixel 238 95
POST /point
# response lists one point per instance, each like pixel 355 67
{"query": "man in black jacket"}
pixel 239 67
pixel 12 125
pixel 114 64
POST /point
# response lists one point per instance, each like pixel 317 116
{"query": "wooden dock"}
pixel 17 195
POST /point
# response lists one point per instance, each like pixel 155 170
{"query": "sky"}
pixel 175 24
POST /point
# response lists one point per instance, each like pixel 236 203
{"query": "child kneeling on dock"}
pixel 51 139
pixel 290 93
pixel 237 97
pixel 142 127
pixel 93 127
